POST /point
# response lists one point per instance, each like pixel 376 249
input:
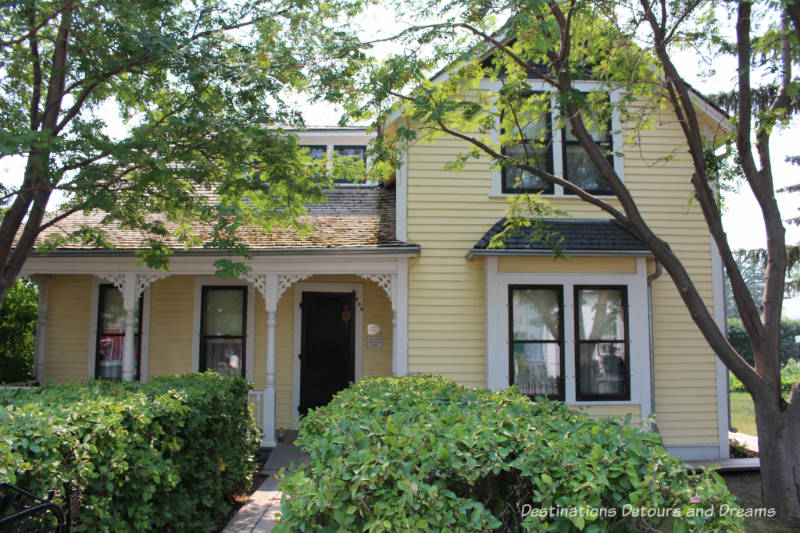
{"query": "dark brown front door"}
pixel 327 357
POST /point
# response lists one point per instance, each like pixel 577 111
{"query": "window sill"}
pixel 604 402
pixel 558 196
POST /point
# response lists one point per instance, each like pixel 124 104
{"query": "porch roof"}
pixel 579 237
pixel 353 219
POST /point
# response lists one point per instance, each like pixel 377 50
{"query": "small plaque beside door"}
pixel 374 342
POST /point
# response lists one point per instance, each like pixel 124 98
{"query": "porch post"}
pixel 271 300
pixel 40 346
pixel 400 320
pixel 129 305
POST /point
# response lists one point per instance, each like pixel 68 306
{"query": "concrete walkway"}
pixel 258 514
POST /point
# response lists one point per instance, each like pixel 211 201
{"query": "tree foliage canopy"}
pixel 200 89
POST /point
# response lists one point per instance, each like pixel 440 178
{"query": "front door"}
pixel 327 358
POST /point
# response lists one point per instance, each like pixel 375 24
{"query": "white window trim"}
pixel 329 139
pixel 497 369
pixel 144 354
pixel 205 281
pixel 299 289
pixel 496 174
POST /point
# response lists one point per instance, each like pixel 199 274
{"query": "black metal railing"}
pixel 24 511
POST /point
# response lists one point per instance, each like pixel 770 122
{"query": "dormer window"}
pixel 356 151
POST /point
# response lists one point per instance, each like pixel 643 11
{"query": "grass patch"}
pixel 746 486
pixel 743 417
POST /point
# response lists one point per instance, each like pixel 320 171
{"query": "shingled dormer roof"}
pixel 580 237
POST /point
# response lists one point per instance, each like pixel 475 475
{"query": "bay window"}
pixel 536 326
pixel 537 347
pixel 601 343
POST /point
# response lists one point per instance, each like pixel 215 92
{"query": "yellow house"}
pixel 398 278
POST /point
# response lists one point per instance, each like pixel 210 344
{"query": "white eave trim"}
pixel 501 252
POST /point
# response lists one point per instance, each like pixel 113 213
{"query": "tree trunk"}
pixel 779 451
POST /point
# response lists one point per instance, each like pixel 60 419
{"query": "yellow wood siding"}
pixel 171 315
pixel 69 323
pixel 582 265
pixel 449 211
pixel 615 410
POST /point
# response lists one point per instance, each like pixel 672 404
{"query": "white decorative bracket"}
pixel 287 280
pixel 140 280
pixel 385 282
pixel 262 283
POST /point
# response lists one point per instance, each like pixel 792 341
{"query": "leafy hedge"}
pixel 790 374
pixel 789 348
pixel 425 454
pixel 168 455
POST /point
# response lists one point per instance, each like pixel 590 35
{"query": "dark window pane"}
pixel 601 314
pixel 531 144
pixel 316 151
pixel 537 368
pixel 112 314
pixel 224 320
pixel 536 314
pixel 111 334
pixel 224 356
pixel 597 130
pixel 517 179
pixel 580 170
pixel 537 130
pixel 602 369
pixel 347 150
pixel 223 312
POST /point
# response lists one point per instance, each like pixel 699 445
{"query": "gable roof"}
pixel 353 219
pixel 579 237
pixel 482 50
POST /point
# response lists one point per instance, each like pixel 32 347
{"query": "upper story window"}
pixel 356 151
pixel 555 149
pixel 578 168
pixel 316 151
pixel 535 144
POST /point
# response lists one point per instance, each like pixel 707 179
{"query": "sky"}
pixel 741 218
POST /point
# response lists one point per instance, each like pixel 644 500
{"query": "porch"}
pixel 168 336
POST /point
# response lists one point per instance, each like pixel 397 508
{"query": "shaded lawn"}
pixel 746 486
pixel 742 415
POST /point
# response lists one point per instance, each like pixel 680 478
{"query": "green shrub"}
pixel 424 454
pixel 168 455
pixel 789 348
pixel 18 331
pixel 790 374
